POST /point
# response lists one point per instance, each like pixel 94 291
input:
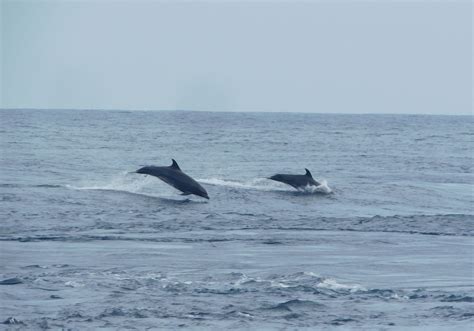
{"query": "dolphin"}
pixel 297 181
pixel 173 176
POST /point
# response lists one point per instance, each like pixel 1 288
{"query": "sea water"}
pixel 386 242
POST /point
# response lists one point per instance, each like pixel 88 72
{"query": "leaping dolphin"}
pixel 173 176
pixel 297 181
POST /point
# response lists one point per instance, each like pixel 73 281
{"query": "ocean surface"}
pixel 385 243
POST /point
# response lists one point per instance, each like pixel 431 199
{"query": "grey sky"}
pixel 312 56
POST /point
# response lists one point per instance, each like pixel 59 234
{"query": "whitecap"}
pixel 332 284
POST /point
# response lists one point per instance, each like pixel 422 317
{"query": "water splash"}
pixel 129 183
pixel 263 184
pixel 322 188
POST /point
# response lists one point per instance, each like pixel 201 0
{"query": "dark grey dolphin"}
pixel 173 176
pixel 297 181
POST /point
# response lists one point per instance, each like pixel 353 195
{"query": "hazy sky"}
pixel 311 56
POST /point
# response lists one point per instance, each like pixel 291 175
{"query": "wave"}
pixel 48 186
pixel 330 283
pixel 296 282
pixel 263 184
pixel 10 185
pixel 298 305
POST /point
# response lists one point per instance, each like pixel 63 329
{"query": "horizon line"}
pixel 228 111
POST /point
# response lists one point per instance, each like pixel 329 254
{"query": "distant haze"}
pixel 311 56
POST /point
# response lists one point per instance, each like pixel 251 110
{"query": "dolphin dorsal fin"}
pixel 175 165
pixel 308 173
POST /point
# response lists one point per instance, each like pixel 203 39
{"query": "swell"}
pixel 210 232
pixel 439 225
pixel 231 226
pixel 300 292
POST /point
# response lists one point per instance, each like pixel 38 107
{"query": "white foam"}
pixel 264 184
pixel 261 184
pixel 322 188
pixel 127 182
pixel 73 284
pixel 279 284
pixel 332 284
pixel 243 279
pixel 244 314
pixel 149 185
pixel 310 273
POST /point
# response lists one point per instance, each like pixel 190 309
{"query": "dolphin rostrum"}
pixel 297 181
pixel 173 176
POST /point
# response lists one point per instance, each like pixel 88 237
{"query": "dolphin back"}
pixel 172 175
pixel 296 181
